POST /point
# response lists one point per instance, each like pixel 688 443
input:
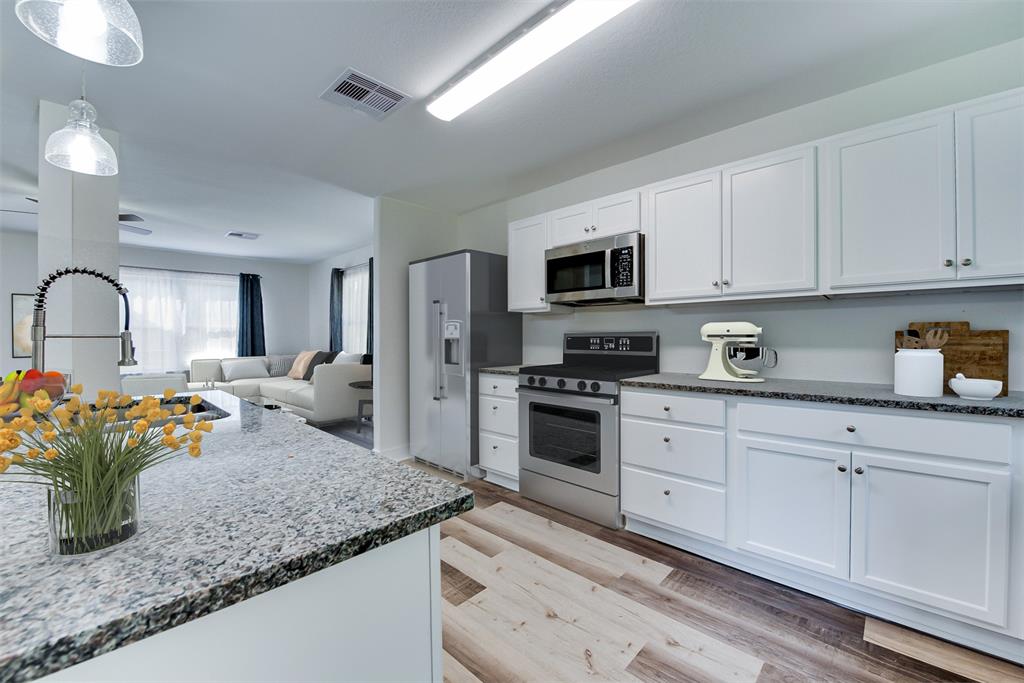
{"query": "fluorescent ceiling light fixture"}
pixel 103 31
pixel 551 36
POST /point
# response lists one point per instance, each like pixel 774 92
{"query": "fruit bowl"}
pixel 19 388
pixel 975 389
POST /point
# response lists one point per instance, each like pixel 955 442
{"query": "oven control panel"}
pixel 609 343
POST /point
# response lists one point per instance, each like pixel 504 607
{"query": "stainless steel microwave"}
pixel 609 270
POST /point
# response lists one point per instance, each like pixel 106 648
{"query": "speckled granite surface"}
pixel 849 393
pixel 270 501
pixel 503 370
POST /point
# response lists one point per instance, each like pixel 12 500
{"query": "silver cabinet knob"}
pixel 586 229
pixel 494 448
pixel 725 282
pixel 593 228
pixel 667 408
pixel 851 428
pixel 841 468
pixel 494 407
pixel 666 439
pixel 542 299
pixel 966 262
pixel 859 470
pixel 494 386
pixel 667 492
pixel 715 283
pixel 948 263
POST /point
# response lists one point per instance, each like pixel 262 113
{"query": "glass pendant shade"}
pixel 78 146
pixel 103 31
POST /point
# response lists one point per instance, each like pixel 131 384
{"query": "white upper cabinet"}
pixel 990 188
pixel 934 533
pixel 683 222
pixel 891 206
pixel 770 224
pixel 612 215
pixel 527 240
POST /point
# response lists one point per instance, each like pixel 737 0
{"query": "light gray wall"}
pixel 285 288
pixel 403 232
pixel 320 292
pixel 841 339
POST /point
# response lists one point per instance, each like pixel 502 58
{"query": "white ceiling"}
pixel 222 129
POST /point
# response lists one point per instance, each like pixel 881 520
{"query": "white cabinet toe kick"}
pixel 910 516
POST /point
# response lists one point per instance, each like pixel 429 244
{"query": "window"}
pixel 350 309
pixel 178 316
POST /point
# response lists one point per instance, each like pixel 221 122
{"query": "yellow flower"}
pixel 4 464
pixel 140 427
pixel 50 453
pixel 75 403
pixel 124 400
pixel 40 393
pixel 9 440
pixel 46 426
pixel 17 459
pixel 169 428
pixel 153 414
pixel 170 442
pixel 196 436
pixel 132 442
pixel 189 420
pixel 27 411
pixel 33 453
pixel 179 409
pixel 195 450
pixel 169 394
pixel 196 399
pixel 41 404
pixel 18 423
pixel 76 389
pixel 49 436
pixel 29 425
pixel 204 426
pixel 62 413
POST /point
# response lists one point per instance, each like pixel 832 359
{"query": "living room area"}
pixel 289 334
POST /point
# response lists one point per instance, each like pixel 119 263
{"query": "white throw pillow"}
pixel 243 368
pixel 343 358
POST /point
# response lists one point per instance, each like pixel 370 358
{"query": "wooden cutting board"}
pixel 981 354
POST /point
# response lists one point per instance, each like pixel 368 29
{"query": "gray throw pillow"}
pixel 243 368
pixel 280 365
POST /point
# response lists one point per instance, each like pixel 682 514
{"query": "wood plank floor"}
pixel 534 594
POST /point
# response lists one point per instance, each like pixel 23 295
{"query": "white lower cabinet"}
pixel 686 505
pixel 499 429
pixel 794 504
pixel 932 532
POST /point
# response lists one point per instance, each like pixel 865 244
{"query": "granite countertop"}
pixel 270 501
pixel 503 370
pixel 849 393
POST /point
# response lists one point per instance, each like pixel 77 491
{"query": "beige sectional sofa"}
pixel 327 397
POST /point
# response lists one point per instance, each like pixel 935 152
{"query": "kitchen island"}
pixel 283 553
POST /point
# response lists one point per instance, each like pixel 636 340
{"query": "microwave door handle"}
pixel 609 278
pixel 437 348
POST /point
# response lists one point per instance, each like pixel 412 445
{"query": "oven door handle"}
pixel 576 398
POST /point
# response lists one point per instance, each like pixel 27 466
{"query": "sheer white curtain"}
pixel 355 291
pixel 178 316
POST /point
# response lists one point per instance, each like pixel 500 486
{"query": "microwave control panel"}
pixel 622 267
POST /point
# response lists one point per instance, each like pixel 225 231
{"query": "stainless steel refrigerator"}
pixel 458 323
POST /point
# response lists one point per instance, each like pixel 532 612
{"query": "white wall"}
pixel 320 292
pixel 841 339
pixel 403 232
pixel 285 288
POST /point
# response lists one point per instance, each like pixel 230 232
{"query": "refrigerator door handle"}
pixel 437 349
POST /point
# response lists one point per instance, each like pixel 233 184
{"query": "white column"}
pixel 78 227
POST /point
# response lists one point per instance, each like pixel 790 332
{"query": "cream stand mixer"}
pixel 735 341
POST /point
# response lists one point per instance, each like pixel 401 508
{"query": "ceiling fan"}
pixel 122 218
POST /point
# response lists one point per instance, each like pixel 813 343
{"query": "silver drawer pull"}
pixel 494 407
pixel 666 439
pixel 667 492
pixel 494 448
pixel 668 408
pixel 851 428
pixel 494 386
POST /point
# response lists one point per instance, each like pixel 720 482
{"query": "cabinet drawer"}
pixel 499 454
pixel 704 411
pixel 686 451
pixel 498 385
pixel 680 504
pixel 932 435
pixel 499 415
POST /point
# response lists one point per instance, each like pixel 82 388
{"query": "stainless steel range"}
pixel 569 422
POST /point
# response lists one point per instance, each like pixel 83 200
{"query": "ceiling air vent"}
pixel 238 234
pixel 362 93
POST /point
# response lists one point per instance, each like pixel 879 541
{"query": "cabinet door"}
pixel 683 222
pixel 891 216
pixel 793 504
pixel 571 224
pixel 769 225
pixel 934 533
pixel 990 189
pixel 616 214
pixel 527 240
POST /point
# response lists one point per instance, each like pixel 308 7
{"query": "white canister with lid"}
pixel 919 372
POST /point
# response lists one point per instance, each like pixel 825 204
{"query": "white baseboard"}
pixel 396 453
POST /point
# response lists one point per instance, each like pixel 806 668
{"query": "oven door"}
pixel 595 271
pixel 570 437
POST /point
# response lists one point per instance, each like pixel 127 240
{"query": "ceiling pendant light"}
pixel 103 31
pixel 514 56
pixel 78 146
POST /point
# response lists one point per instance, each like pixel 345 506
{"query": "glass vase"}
pixel 83 524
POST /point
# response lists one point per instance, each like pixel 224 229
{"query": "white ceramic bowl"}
pixel 975 389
